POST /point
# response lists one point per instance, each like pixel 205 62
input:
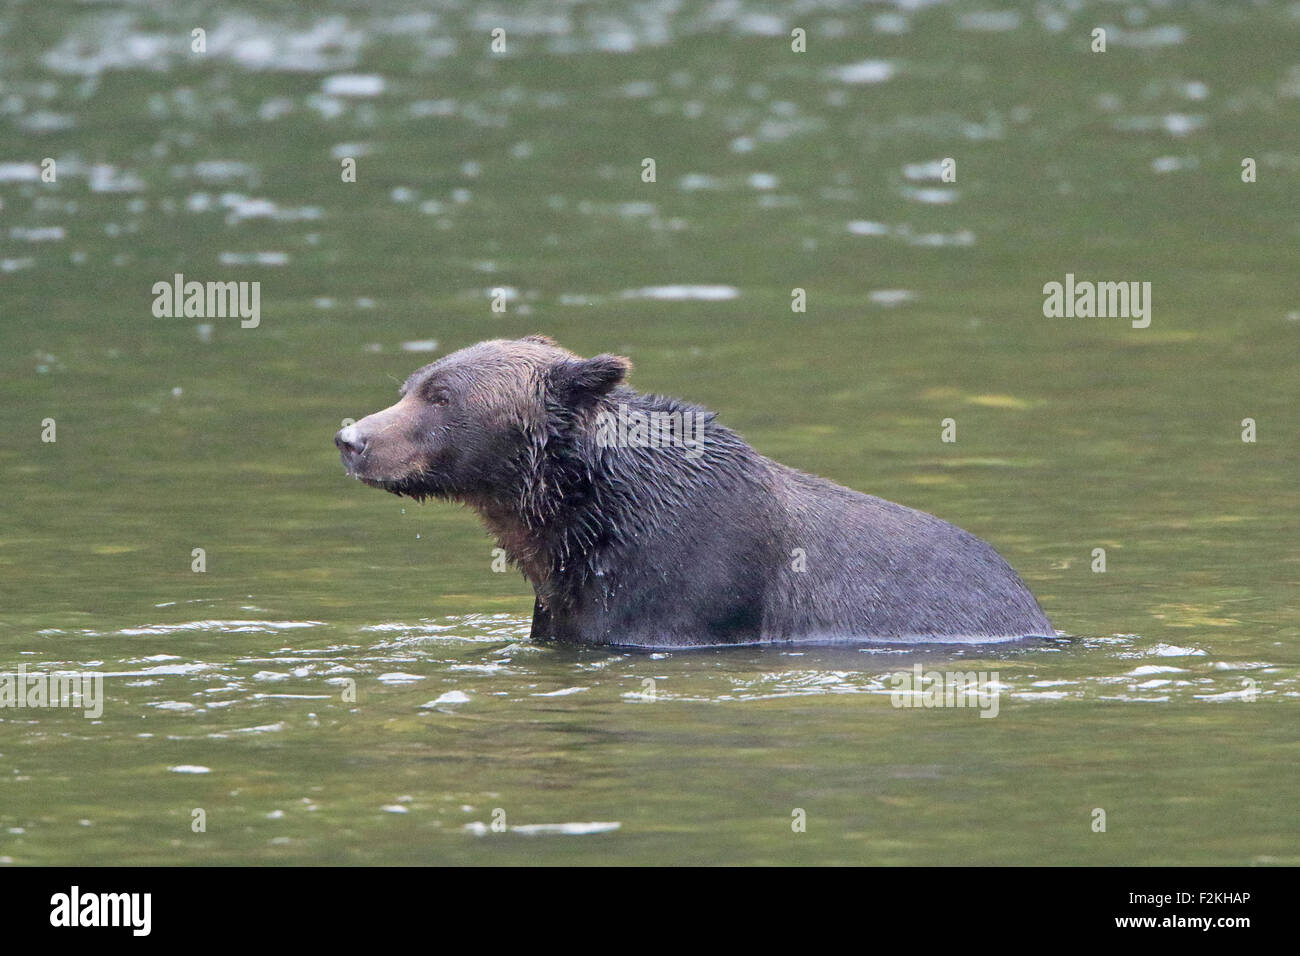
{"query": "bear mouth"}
pixel 394 485
pixel 419 482
pixel 358 467
pixel 402 487
pixel 355 467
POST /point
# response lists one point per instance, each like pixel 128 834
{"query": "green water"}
pixel 1173 704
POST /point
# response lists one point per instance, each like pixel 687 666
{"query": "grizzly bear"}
pixel 641 521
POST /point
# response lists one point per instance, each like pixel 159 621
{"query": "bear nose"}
pixel 350 443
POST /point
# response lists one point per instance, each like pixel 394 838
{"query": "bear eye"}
pixel 438 398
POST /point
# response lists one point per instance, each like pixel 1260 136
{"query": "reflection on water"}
pixel 487 659
pixel 349 682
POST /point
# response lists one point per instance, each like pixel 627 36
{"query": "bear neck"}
pixel 577 503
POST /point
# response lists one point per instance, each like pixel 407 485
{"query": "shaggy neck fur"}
pixel 571 505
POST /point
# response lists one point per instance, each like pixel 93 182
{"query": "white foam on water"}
pixel 38 234
pixel 1173 650
pixel 1180 124
pixel 223 170
pixel 1147 669
pixel 398 678
pixel 479 828
pixel 679 293
pixel 1247 694
pixel 166 670
pixel 254 258
pixel 565 692
pixel 567 829
pixel 19 172
pixel 921 172
pixel 963 237
pixel 108 179
pixel 761 24
pixel 451 697
pixel 1164 35
pixel 353 84
pixel 1173 164
pixel 891 297
pixel 243 207
pixel 238 626
pixel 863 227
pixel 867 71
pixel 692 182
pixel 263 729
pixel 932 196
pixel 989 21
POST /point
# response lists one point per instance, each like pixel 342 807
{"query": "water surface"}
pixel 1171 701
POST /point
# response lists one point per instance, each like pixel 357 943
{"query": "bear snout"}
pixel 351 445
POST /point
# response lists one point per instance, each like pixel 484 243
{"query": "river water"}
pixel 349 681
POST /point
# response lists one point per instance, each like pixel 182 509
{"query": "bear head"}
pixel 474 424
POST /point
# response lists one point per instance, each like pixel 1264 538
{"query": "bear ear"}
pixel 580 381
pixel 540 340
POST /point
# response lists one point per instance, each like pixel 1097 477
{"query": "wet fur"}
pixel 649 546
